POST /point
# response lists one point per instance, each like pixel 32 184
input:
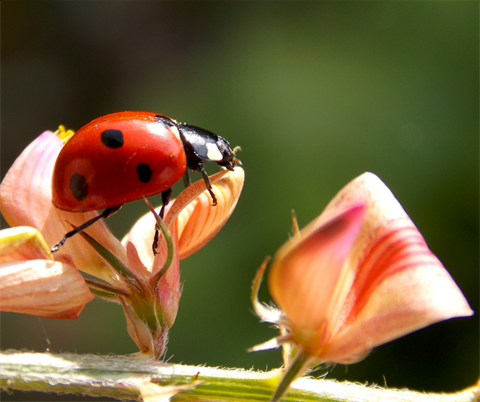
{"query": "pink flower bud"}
pixel 358 276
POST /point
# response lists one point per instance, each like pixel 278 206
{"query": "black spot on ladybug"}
pixel 112 138
pixel 144 172
pixel 79 186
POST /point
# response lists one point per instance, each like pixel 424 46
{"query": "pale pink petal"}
pixel 25 195
pixel 304 273
pixel 399 287
pixel 142 233
pixel 25 199
pixel 135 263
pixel 23 243
pixel 42 288
pixel 141 237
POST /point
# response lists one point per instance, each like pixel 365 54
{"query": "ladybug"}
pixel 126 156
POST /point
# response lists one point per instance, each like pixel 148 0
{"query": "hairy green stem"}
pixel 298 366
pixel 123 377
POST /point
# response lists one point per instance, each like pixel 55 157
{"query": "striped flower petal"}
pixel 42 288
pixel 399 285
pixel 201 221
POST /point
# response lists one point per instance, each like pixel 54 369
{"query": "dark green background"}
pixel 316 93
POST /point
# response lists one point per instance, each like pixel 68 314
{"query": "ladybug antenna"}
pixel 234 151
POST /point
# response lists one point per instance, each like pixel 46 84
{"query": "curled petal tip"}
pixel 22 243
pixel 201 221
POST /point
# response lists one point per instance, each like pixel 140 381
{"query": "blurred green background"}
pixel 315 93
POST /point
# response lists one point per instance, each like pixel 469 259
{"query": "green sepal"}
pixel 105 291
pixel 168 239
pixel 112 260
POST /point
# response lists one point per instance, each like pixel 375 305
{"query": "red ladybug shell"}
pixel 118 158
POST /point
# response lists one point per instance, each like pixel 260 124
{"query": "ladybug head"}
pixel 229 159
pixel 204 146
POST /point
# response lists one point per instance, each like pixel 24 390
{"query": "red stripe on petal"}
pixel 402 247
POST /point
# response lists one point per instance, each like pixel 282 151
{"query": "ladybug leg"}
pixel 207 182
pixel 166 195
pixel 186 179
pixel 104 215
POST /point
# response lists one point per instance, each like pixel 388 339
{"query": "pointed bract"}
pixel 306 270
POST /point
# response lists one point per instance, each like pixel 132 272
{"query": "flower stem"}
pixel 297 368
pixel 122 377
pixel 169 242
